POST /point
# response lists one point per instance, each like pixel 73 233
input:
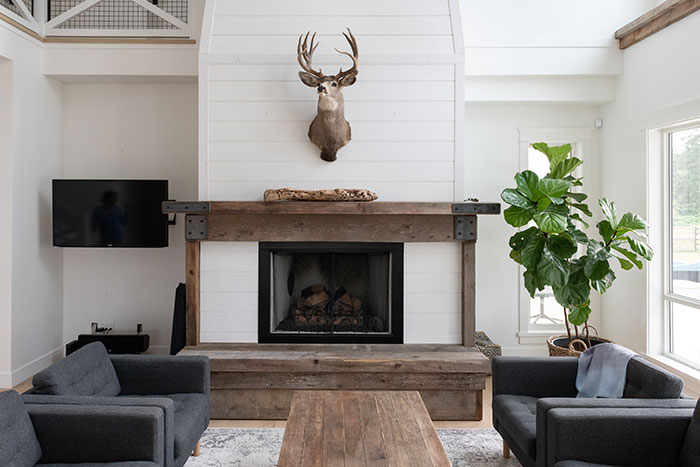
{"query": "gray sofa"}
pixel 178 386
pixel 638 437
pixel 526 389
pixel 86 435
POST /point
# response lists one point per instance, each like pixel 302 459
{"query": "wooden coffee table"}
pixel 360 428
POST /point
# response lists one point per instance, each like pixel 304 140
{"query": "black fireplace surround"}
pixel 330 292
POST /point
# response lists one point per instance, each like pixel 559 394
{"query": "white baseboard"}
pixel 10 380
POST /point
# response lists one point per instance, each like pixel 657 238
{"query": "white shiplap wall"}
pixel 406 111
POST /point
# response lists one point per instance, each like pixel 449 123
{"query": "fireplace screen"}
pixel 331 292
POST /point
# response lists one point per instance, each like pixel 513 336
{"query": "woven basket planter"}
pixel 562 339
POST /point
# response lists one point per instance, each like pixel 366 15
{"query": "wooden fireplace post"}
pixel 192 250
pixel 468 293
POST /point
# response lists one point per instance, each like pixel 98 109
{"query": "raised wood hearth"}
pixel 256 381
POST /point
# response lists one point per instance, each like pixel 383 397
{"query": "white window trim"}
pixel 658 332
pixel 581 139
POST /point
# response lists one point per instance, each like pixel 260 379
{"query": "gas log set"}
pixel 316 310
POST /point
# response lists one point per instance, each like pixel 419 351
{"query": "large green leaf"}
pixel 609 211
pixel 606 231
pixel 642 248
pixel 561 246
pixel 517 217
pixel 596 265
pixel 516 256
pixel 583 208
pixel 631 221
pixel 566 167
pixel 626 265
pixel 577 235
pixel 553 187
pixel 602 285
pixel 543 203
pixel 553 269
pixel 632 257
pixel 575 216
pixel 533 282
pixel 554 219
pixel 514 197
pixel 517 241
pixel 579 197
pixel 579 315
pixel 555 154
pixel 527 184
pixel 532 251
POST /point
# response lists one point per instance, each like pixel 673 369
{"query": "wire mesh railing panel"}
pixel 118 14
pixel 11 6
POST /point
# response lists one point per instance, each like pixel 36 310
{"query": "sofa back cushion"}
pixel 648 381
pixel 86 372
pixel 690 454
pixel 18 444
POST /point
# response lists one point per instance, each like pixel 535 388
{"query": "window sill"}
pixel 537 337
pixel 690 376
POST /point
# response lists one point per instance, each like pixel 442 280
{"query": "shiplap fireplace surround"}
pixel 406 111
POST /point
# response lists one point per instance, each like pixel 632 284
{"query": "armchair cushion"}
pixel 535 376
pixel 161 374
pixel 18 444
pixel 86 372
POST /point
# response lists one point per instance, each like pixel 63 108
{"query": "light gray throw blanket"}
pixel 602 371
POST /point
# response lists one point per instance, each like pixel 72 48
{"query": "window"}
pixel 682 261
pixel 542 315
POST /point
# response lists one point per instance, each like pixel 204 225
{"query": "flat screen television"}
pixel 110 213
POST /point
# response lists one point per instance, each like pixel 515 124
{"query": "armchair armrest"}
pixel 620 436
pixel 165 405
pixel 535 376
pixel 98 433
pixel 162 374
pixel 546 405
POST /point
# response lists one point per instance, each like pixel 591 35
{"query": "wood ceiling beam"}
pixel 655 20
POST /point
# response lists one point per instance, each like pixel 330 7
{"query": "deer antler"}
pixel 305 54
pixel 354 56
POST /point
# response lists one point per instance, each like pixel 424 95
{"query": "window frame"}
pixel 668 297
pixel 582 147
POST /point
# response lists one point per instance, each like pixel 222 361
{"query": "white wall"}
pixel 406 116
pixel 37 287
pixel 129 131
pixel 492 149
pixel 661 74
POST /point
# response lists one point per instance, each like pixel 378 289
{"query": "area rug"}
pixel 260 447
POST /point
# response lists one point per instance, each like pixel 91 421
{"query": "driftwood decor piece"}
pixel 329 130
pixel 339 194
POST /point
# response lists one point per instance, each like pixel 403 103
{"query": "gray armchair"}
pixel 611 436
pixel 526 389
pixel 178 386
pixel 86 435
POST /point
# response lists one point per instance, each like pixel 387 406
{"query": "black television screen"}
pixel 110 213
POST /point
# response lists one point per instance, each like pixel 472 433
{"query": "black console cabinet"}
pixel 115 343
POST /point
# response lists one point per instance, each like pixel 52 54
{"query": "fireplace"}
pixel 335 292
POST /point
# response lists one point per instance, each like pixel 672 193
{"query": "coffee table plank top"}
pixel 360 428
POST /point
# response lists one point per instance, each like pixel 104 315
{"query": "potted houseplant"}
pixel 556 248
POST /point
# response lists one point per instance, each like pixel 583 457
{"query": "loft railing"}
pixel 100 18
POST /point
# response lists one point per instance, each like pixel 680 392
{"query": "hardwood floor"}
pixel 484 423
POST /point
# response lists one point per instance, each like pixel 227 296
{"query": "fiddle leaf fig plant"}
pixel 556 249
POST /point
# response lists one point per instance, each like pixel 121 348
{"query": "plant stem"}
pixel 577 334
pixel 588 335
pixel 566 321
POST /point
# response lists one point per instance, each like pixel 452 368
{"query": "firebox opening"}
pixel 331 292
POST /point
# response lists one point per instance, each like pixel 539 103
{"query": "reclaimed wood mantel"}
pixel 306 221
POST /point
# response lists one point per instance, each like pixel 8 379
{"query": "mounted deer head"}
pixel 329 130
